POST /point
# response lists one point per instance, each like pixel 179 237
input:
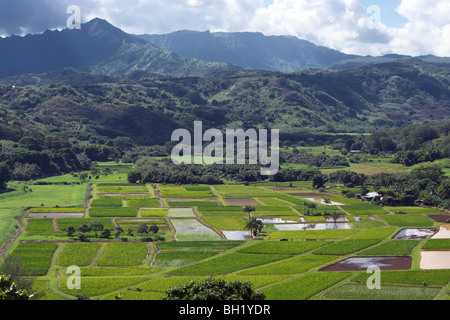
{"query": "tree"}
pixel 443 190
pixel 84 228
pixel 5 175
pixel 134 176
pixel 318 181
pixel 248 210
pixel 118 232
pixel 96 226
pixel 83 177
pixel 82 237
pixel 106 172
pixel 327 202
pixel 106 234
pixel 153 229
pixel 70 231
pixel 142 230
pixel 10 291
pixel 336 215
pixel 212 289
pixel 254 225
pixel 363 191
pixel 25 171
pixel 432 172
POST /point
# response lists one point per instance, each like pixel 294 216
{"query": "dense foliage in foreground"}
pixel 211 289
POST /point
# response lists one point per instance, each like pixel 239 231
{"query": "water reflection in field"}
pixel 278 221
pixel 435 260
pixel 411 234
pixel 313 226
pixel 237 235
pixel 444 232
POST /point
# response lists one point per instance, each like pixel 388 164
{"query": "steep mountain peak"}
pixel 97 47
pixel 103 29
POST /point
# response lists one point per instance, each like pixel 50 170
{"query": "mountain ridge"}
pixel 97 47
pixel 101 48
pixel 250 50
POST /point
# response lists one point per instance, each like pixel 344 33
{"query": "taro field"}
pixel 140 240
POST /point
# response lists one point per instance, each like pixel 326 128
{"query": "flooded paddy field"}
pixel 443 233
pixel 363 263
pixel 237 235
pixel 242 202
pixel 313 226
pixel 432 260
pixel 413 234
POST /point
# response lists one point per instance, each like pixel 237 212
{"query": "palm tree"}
pixel 327 202
pixel 248 210
pixel 336 215
pixel 255 226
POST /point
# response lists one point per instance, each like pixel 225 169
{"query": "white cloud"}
pixel 162 16
pixel 340 24
pixel 428 30
pixel 345 25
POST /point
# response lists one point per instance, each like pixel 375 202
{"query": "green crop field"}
pixel 224 214
pixel 153 213
pixel 200 204
pixel 361 292
pixel 413 277
pixel 144 203
pixel 190 245
pixel 412 210
pixel 171 259
pixel 78 254
pixel 305 286
pixel 311 234
pixel 226 223
pixel 360 209
pixel 224 264
pixel 40 225
pixel 345 247
pixel 106 202
pixel 293 247
pixel 198 245
pixel 413 220
pixel 238 189
pixel 95 286
pixel 290 266
pixel 13 203
pixel 113 212
pixel 122 189
pixel 391 248
pixel 375 233
pixel 124 254
pixel 248 195
pixel 437 244
pixel 36 257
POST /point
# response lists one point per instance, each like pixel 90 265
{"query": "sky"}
pixel 363 27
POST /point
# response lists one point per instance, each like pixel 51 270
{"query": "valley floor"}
pixel 201 233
